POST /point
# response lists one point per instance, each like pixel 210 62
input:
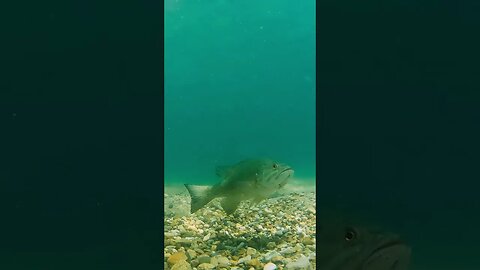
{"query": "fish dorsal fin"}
pixel 223 171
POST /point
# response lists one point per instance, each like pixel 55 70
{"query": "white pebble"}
pixel 270 266
pixel 206 237
pixel 301 263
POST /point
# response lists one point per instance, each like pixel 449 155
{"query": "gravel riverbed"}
pixel 277 233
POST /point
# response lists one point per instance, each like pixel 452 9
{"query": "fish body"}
pixel 343 245
pixel 251 179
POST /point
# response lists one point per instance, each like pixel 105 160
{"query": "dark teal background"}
pixel 398 121
pixel 81 135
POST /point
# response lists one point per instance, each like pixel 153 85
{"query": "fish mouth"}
pixel 288 169
pixel 391 255
pixel 283 176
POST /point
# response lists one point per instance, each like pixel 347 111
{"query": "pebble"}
pixel 207 237
pixel 251 251
pixel 170 249
pixel 191 254
pixel 223 261
pixel 278 259
pixel 175 258
pixel 287 250
pixel 299 247
pixel 301 263
pixel 268 257
pixel 203 259
pixel 181 265
pixel 214 261
pixel 270 266
pixel 255 263
pixel 205 266
pixel 271 245
pixel 169 235
pixel 195 263
pixel 308 241
pixel 269 238
pixel 185 241
pixel 245 259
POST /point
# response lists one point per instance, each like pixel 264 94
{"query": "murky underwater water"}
pixel 239 84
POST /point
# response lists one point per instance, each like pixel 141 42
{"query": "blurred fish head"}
pixel 346 247
pixel 387 252
pixel 272 174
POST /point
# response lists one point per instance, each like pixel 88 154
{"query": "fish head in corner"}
pixel 343 245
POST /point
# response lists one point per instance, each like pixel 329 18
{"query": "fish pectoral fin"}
pixel 200 196
pixel 229 205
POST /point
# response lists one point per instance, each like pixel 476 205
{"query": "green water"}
pixel 239 83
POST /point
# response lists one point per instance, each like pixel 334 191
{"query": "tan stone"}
pixel 176 257
pixel 277 259
pixel 307 241
pixel 191 254
pixel 255 263
pixel 181 265
pixel 205 266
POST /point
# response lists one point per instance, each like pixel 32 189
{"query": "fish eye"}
pixel 350 234
pixel 275 165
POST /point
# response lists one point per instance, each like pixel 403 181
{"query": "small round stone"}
pixel 191 254
pixel 255 263
pixel 308 241
pixel 181 265
pixel 277 259
pixel 203 259
pixel 271 245
pixel 223 261
pixel 270 266
pixel 175 258
pixel 251 251
pixel 205 266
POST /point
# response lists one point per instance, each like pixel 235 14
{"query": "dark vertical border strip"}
pixel 81 141
pixel 317 118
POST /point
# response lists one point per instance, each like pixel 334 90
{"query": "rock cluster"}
pixel 278 233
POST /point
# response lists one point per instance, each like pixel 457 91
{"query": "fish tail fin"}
pixel 200 196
